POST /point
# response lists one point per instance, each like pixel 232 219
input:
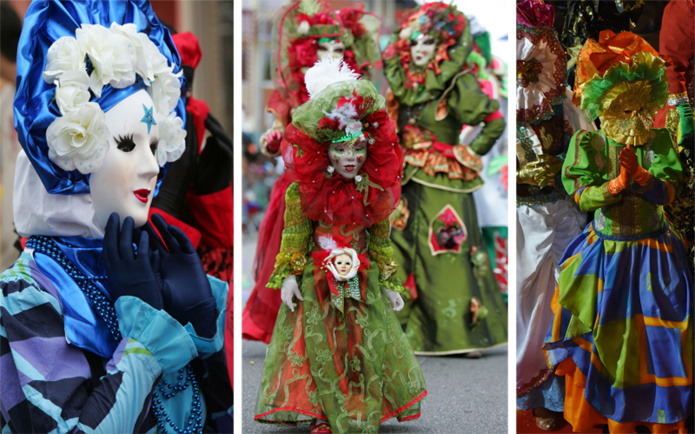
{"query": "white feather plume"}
pixel 326 72
pixel 327 243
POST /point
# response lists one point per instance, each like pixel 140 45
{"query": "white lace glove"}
pixel 290 289
pixel 394 297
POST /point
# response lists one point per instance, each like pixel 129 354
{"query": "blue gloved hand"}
pixel 129 273
pixel 186 292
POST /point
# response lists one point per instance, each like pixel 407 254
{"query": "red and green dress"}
pixel 456 305
pixel 346 362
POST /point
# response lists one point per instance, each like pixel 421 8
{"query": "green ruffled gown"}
pixel 456 306
pixel 351 366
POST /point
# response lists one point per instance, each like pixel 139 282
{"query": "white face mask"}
pixel 333 48
pixel 126 181
pixel 422 49
pixel 343 264
pixel 347 158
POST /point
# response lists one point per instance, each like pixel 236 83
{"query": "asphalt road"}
pixel 464 395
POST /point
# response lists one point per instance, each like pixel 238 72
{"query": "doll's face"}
pixel 347 158
pixel 126 181
pixel 333 48
pixel 343 264
pixel 422 49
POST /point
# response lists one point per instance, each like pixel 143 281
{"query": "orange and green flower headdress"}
pixel 625 57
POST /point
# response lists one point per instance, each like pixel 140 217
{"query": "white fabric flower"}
pixel 111 54
pixel 72 90
pixel 172 138
pixel 64 55
pixel 166 91
pixel 150 62
pixel 78 139
pixel 353 127
pixel 303 28
pixel 346 115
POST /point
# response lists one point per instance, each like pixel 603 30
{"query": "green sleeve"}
pixel 381 252
pixel 296 236
pixel 585 171
pixel 469 104
pixel 666 165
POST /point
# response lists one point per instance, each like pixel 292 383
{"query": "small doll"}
pixel 338 357
pixel 621 332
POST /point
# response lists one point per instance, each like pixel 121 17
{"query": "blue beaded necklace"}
pixel 107 312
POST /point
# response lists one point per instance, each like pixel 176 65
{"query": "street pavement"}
pixel 464 395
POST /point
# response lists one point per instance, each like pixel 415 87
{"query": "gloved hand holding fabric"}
pixel 129 273
pixel 186 292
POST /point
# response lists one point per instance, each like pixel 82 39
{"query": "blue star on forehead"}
pixel 148 118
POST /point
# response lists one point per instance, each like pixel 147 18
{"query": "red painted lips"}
pixel 142 194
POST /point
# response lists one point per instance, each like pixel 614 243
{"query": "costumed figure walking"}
pixel 307 31
pixel 338 357
pixel 456 305
pixel 547 218
pixel 105 327
pixel 621 332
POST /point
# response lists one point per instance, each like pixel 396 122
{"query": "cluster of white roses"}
pixel 79 138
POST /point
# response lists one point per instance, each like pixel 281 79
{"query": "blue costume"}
pixel 75 353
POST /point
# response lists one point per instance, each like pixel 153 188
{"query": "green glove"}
pixel 686 123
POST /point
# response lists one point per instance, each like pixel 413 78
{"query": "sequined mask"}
pixel 627 114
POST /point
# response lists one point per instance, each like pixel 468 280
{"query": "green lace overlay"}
pixel 353 369
pixel 296 237
pixel 381 252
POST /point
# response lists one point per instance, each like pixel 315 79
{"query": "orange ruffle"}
pixel 596 57
pixel 433 162
pixel 582 416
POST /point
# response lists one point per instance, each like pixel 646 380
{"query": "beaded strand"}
pixel 103 305
pixel 195 419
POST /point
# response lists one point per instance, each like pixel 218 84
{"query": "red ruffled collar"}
pixel 365 200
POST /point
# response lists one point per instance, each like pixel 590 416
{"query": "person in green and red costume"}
pixel 455 304
pixel 307 31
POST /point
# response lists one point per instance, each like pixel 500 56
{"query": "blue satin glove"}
pixel 185 288
pixel 129 273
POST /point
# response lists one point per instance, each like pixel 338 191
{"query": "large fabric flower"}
pixel 72 90
pixel 172 138
pixel 541 71
pixel 64 55
pixel 111 54
pixel 165 91
pixel 79 139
